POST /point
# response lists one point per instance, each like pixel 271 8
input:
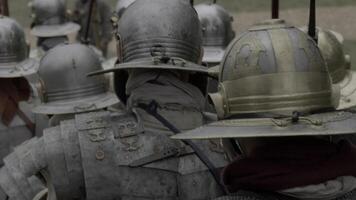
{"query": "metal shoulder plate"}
pixel 96 133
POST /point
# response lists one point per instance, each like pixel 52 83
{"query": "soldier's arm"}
pixel 17 174
pixel 56 154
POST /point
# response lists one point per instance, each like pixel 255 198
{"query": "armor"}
pixel 217 31
pixel 129 155
pixel 109 154
pixel 49 19
pixel 121 6
pixel 14 61
pixel 65 88
pixel 267 55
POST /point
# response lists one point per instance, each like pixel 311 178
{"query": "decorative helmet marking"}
pixel 14 61
pixel 121 6
pixel 49 19
pixel 65 87
pixel 217 31
pixel 273 67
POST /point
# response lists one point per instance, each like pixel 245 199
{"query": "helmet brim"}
pixel 151 64
pixel 213 54
pixel 84 104
pixel 21 69
pixel 335 123
pixel 348 91
pixel 55 30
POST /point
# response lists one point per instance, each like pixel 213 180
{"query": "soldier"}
pixel 100 30
pixel 275 102
pixel 217 34
pixel 50 25
pixel 65 88
pixel 217 31
pixel 16 97
pixel 130 155
pixel 339 66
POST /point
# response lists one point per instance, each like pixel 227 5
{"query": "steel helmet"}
pixel 217 30
pixel 14 61
pixel 121 6
pixel 166 35
pixel 49 19
pixel 65 87
pixel 331 46
pixel 272 68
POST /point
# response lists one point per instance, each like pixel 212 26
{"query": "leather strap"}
pixel 152 110
pixel 29 124
pixel 166 153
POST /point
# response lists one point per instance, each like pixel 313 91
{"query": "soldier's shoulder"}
pixel 102 119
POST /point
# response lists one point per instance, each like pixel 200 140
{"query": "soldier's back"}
pixel 112 156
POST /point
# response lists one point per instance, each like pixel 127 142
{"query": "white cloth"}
pixel 325 191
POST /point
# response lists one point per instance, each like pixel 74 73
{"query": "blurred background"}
pixel 338 15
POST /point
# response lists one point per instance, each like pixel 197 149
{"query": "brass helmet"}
pixel 331 47
pixel 64 86
pixel 121 6
pixel 50 20
pixel 14 61
pixel 272 68
pixel 217 31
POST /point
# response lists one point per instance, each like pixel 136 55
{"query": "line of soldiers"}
pixel 283 127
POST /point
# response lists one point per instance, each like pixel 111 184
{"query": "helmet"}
pixel 272 68
pixel 65 87
pixel 217 31
pixel 166 35
pixel 49 19
pixel 162 27
pixel 14 61
pixel 331 46
pixel 122 5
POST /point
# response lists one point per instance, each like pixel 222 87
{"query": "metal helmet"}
pixel 331 46
pixel 217 31
pixel 272 68
pixel 166 35
pixel 162 27
pixel 49 19
pixel 121 6
pixel 65 87
pixel 14 61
